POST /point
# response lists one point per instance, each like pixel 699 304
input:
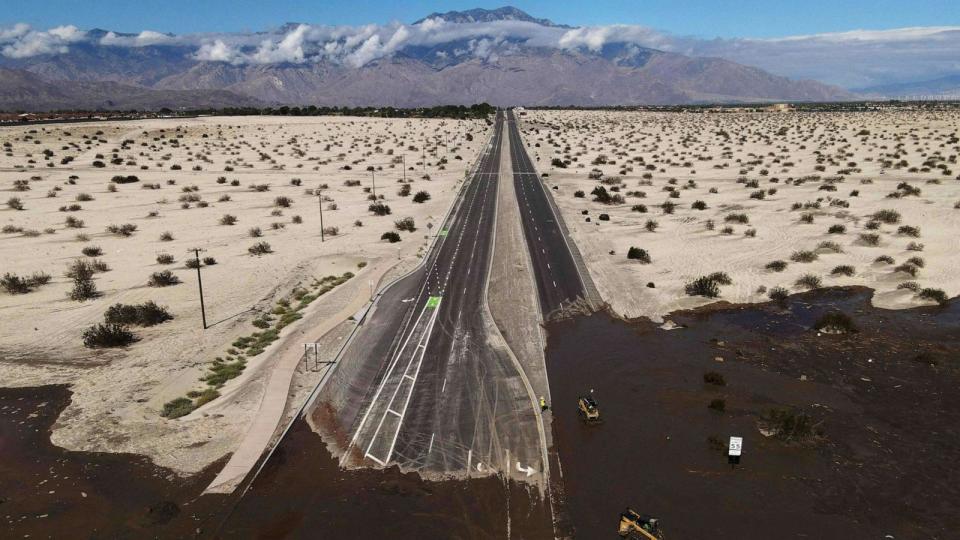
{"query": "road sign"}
pixel 443 232
pixel 736 446
pixel 433 301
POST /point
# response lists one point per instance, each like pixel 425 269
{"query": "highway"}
pixel 559 282
pixel 427 385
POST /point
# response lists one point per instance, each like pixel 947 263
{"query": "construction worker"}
pixel 543 404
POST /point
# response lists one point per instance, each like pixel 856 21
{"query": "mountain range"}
pixel 502 56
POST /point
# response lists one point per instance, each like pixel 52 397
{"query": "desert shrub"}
pixel 120 179
pixel 420 197
pixel 668 207
pixel 642 208
pixel 889 217
pixel 178 407
pixel 405 224
pixel 651 225
pixel 872 225
pixel 579 194
pixel 15 284
pixel 164 258
pixel 737 218
pixel 837 229
pixel 884 259
pixel 164 278
pixel 209 261
pixel 914 246
pixel 166 236
pixel 192 263
pixel 917 261
pixel 296 220
pixel 832 247
pixel 806 218
pixel 936 295
pixel 228 219
pixel 83 197
pixel 379 209
pixel 331 231
pixel 699 205
pixel 808 281
pixel 870 239
pixel 835 322
pixel 638 254
pixel 910 286
pixel 843 270
pixel 92 251
pixel 14 203
pixel 146 314
pixel 714 378
pixel 255 232
pixel 260 248
pixel 390 236
pixel 750 233
pixel 721 278
pixel 73 223
pixel 776 266
pixel 909 230
pixel 907 268
pixel 283 202
pixel 81 272
pixel 105 335
pixel 127 229
pixel 792 426
pixel 803 256
pixel 778 294
pixel 703 286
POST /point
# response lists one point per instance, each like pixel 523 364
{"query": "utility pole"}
pixel 373 176
pixel 203 311
pixel 320 201
pixel 404 157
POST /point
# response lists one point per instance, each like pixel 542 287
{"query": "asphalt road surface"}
pixel 427 383
pixel 559 283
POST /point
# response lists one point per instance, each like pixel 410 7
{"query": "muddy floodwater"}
pixel 886 398
pixel 885 402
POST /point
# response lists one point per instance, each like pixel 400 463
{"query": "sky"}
pixel 700 18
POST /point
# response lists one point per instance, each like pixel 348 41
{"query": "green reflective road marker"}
pixel 433 301
pixel 443 232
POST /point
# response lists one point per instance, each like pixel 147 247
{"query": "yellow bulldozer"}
pixel 589 409
pixel 633 525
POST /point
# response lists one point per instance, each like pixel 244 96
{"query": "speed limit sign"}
pixel 736 446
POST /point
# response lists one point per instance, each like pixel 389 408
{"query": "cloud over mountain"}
pixel 851 59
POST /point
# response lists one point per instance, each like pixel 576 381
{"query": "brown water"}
pixel 887 463
pixel 303 493
pixel 888 398
pixel 49 492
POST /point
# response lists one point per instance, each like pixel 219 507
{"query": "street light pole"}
pixel 320 201
pixel 203 311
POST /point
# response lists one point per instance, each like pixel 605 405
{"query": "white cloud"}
pixel 21 41
pixel 853 58
pixel 216 51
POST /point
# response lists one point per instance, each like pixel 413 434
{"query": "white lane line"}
pixel 444 385
pixel 412 385
pixel 386 377
pixel 430 448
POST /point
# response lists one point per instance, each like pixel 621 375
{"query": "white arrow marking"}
pixel 528 470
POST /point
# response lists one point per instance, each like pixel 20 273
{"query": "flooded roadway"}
pixel 888 398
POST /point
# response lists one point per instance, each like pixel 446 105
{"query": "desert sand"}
pixel 191 173
pixel 772 186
